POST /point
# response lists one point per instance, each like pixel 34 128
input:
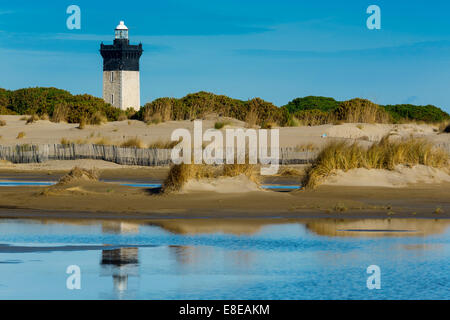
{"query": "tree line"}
pixel 60 105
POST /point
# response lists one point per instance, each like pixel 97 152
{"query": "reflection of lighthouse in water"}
pixel 120 263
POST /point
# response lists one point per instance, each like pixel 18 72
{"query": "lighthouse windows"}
pixel 112 76
pixel 112 99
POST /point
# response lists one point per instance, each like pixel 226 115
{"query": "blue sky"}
pixel 276 50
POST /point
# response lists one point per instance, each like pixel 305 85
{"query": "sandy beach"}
pixel 114 201
pixel 46 132
pixel 418 192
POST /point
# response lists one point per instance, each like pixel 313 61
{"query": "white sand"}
pixel 64 165
pixel 237 184
pixel 46 132
pixel 402 176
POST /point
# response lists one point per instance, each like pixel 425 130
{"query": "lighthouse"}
pixel 121 84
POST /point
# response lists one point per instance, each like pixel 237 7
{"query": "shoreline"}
pixel 113 201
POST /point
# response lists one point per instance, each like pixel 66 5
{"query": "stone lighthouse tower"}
pixel 121 71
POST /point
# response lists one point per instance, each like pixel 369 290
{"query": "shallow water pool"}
pixel 225 259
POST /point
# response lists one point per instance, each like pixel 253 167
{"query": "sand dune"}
pixel 46 132
pixel 402 176
pixel 237 184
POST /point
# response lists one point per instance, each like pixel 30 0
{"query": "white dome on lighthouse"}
pixel 121 26
pixel 121 31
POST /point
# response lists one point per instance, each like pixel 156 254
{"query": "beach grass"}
pixel 21 135
pixel 98 118
pixel 77 174
pixel 32 119
pixel 385 154
pixel 220 124
pixel 180 174
pixel 160 144
pixel 133 143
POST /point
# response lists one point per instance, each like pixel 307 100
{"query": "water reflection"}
pixel 120 227
pixel 225 259
pixel 247 227
pixel 324 227
pixel 377 227
pixel 122 263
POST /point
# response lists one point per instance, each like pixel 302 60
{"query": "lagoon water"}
pixel 224 259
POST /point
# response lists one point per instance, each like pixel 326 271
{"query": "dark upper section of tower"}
pixel 121 55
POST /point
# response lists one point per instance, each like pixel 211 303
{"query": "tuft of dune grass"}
pixel 385 154
pixel 32 119
pixel 21 135
pixel 220 124
pixel 133 143
pixel 65 141
pixel 98 118
pixel 103 141
pixel 290 172
pixel 180 174
pixel 79 174
pixel 163 144
pixel 82 124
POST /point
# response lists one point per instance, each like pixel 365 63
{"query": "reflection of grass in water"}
pixel 382 155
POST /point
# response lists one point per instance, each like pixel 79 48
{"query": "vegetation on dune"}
pixel 32 119
pixel 21 135
pixel 180 174
pixel 132 143
pixel 168 144
pixel 361 110
pixel 59 105
pixel 408 112
pixel 355 110
pixel 220 124
pixel 321 110
pixel 79 174
pixel 198 105
pixel 313 117
pixel 385 154
pixel 312 103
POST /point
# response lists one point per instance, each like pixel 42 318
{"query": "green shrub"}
pixel 313 117
pixel 312 103
pixel 198 105
pixel 361 110
pixel 59 105
pixel 408 112
pixel 220 124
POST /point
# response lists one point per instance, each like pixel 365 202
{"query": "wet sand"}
pixel 101 200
